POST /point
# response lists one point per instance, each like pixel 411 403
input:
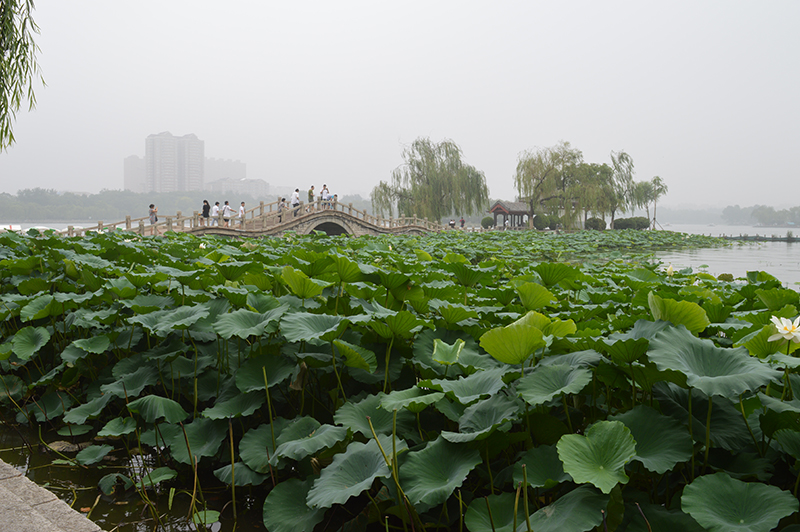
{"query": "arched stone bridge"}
pixel 329 221
pixel 268 220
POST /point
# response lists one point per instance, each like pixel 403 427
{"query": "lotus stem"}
pixel 643 516
pixel 708 434
pixel 691 436
pixel 386 375
pixel 491 519
pixel 525 484
pixel 269 407
pixel 233 472
pixel 797 481
pixel 489 469
pixel 400 492
pixel 336 372
pixel 460 511
pixel 516 504
pixel 752 436
pixel 566 413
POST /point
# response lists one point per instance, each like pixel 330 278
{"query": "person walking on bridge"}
pixel 310 206
pixel 215 214
pixel 295 200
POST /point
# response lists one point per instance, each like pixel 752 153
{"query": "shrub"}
pixel 541 221
pixel 597 224
pixel 487 222
pixel 636 222
pixel 553 222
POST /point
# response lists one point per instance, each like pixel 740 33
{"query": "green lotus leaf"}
pixel 576 359
pixel 93 408
pixel 50 406
pixel 728 429
pixel 204 436
pixel 577 511
pixel 93 454
pixel 255 447
pixel 543 467
pixel 403 324
pixel 285 509
pixel 297 448
pixel 480 420
pixel 598 458
pixel 74 430
pixel 241 474
pixel 40 307
pixel 108 483
pixel 300 326
pixel 356 356
pixel 244 323
pixel 391 279
pixel 21 265
pixel 478 519
pixel 690 315
pixel 414 399
pixel 96 344
pixel 347 270
pixel 352 472
pixel 758 343
pixel 181 317
pixel 119 426
pixel 154 407
pixel 659 519
pixel 132 384
pixel 535 296
pixel 560 328
pixel 514 343
pixel 33 285
pixel 468 358
pixel 625 351
pixel 468 275
pixel 241 405
pixel 144 303
pixel 469 389
pixel 661 441
pixel 310 262
pixel 711 369
pixel 722 504
pixel 233 270
pixel 156 477
pixel 122 287
pixel 28 341
pixel 353 415
pixel 433 473
pixel 301 285
pixel 547 382
pixel 777 298
pixel 454 313
pixel 205 517
pixel 445 353
pixel 553 272
pixel 262 303
pixel 789 441
pixel 250 375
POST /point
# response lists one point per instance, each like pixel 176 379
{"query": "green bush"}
pixel 598 224
pixel 541 221
pixel 487 222
pixel 636 222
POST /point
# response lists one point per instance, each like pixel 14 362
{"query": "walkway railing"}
pixel 264 216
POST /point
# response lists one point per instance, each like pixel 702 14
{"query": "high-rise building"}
pixel 134 174
pixel 173 163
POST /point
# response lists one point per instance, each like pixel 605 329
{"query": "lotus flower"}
pixel 670 270
pixel 787 329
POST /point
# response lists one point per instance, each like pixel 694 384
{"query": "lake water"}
pixel 780 259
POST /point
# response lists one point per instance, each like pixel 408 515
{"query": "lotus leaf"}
pixel 433 473
pixel 722 504
pixel 661 441
pixel 93 454
pixel 598 458
pixel 550 381
pixel 543 467
pixel 711 369
pixel 241 474
pixel 478 518
pixel 514 343
pixel 484 417
pixel 577 511
pixel 285 509
pixel 686 313
pixel 28 341
pixel 204 438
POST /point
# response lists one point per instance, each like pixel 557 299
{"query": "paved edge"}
pixel 27 507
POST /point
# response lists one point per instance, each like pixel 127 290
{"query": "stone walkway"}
pixel 26 507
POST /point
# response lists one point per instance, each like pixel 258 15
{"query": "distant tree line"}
pixel 760 215
pixel 39 204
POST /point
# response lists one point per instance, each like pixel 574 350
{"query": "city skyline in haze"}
pixel 701 94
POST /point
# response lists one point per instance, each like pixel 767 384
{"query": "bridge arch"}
pixel 330 228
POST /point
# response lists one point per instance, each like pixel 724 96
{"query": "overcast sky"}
pixel 704 94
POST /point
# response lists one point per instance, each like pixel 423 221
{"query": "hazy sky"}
pixel 704 94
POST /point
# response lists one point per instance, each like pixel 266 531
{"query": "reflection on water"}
pixel 779 259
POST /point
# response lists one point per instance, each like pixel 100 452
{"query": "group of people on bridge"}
pixel 326 201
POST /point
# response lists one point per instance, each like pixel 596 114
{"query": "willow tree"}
pixel 18 66
pixel 432 183
pixel 659 189
pixel 618 193
pixel 549 177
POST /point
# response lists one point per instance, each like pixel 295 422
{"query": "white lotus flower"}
pixel 202 246
pixel 787 329
pixel 670 270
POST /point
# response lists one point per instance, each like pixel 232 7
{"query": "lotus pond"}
pixel 484 382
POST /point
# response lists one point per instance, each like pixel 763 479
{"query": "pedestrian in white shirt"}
pixel 241 215
pixel 295 200
pixel 227 213
pixel 215 214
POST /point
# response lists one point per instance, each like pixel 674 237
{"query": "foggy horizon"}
pixel 702 95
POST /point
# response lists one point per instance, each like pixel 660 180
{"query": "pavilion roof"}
pixel 510 207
